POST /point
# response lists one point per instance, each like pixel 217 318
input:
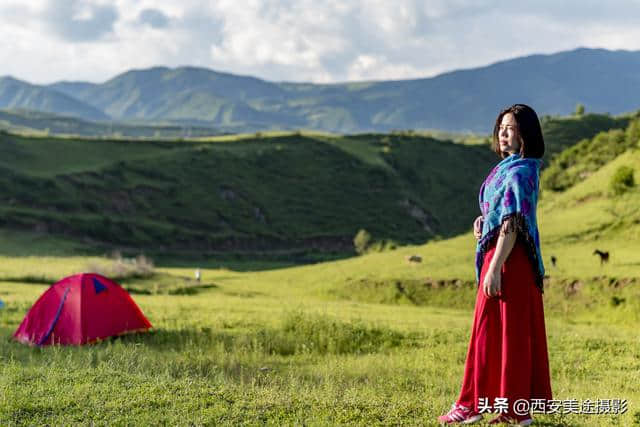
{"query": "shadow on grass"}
pixel 154 284
pixel 187 289
pixel 30 279
pixel 298 333
pixel 248 262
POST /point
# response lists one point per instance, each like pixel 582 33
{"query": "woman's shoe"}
pixel 460 415
pixel 506 419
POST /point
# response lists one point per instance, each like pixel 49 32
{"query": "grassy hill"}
pixel 563 132
pixel 584 158
pixel 283 193
pixel 291 195
pixel 368 340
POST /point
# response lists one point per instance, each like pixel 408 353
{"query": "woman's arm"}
pixel 492 284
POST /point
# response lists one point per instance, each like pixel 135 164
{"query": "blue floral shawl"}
pixel 511 191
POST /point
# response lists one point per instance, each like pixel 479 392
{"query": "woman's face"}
pixel 508 136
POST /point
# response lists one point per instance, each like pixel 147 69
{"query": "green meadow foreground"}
pixel 368 340
pixel 307 345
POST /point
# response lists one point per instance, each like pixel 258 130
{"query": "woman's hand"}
pixel 477 228
pixel 492 285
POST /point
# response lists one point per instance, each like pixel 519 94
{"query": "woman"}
pixel 507 356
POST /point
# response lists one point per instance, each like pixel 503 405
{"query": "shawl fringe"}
pixel 518 224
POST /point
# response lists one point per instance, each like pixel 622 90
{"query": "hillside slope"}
pixel 278 193
pixel 580 160
pixel 572 225
pixel 295 192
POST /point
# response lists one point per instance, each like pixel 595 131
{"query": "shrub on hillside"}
pixel 622 180
pixel 382 246
pixel 581 160
pixel 361 241
pixel 632 134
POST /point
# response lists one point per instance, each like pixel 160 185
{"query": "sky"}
pixel 320 41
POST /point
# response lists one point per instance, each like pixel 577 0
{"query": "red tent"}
pixel 81 309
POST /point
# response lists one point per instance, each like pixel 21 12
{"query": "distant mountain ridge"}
pixel 17 94
pixel 463 100
pixel 34 123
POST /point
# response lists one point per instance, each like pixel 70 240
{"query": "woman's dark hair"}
pixel 528 128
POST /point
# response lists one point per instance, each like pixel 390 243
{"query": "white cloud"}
pixel 298 40
pixel 80 20
pixel 153 17
pixel 369 67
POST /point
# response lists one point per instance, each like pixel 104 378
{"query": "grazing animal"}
pixel 554 260
pixel 604 256
pixel 414 258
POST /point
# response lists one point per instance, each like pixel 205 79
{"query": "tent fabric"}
pixel 81 309
pixel 54 322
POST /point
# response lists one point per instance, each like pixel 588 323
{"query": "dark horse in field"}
pixel 604 256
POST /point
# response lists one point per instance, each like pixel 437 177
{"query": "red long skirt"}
pixel 507 354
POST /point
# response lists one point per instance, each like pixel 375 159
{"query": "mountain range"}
pixel 463 100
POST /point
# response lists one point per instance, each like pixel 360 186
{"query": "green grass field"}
pixel 302 346
pixel 336 342
pixel 368 340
